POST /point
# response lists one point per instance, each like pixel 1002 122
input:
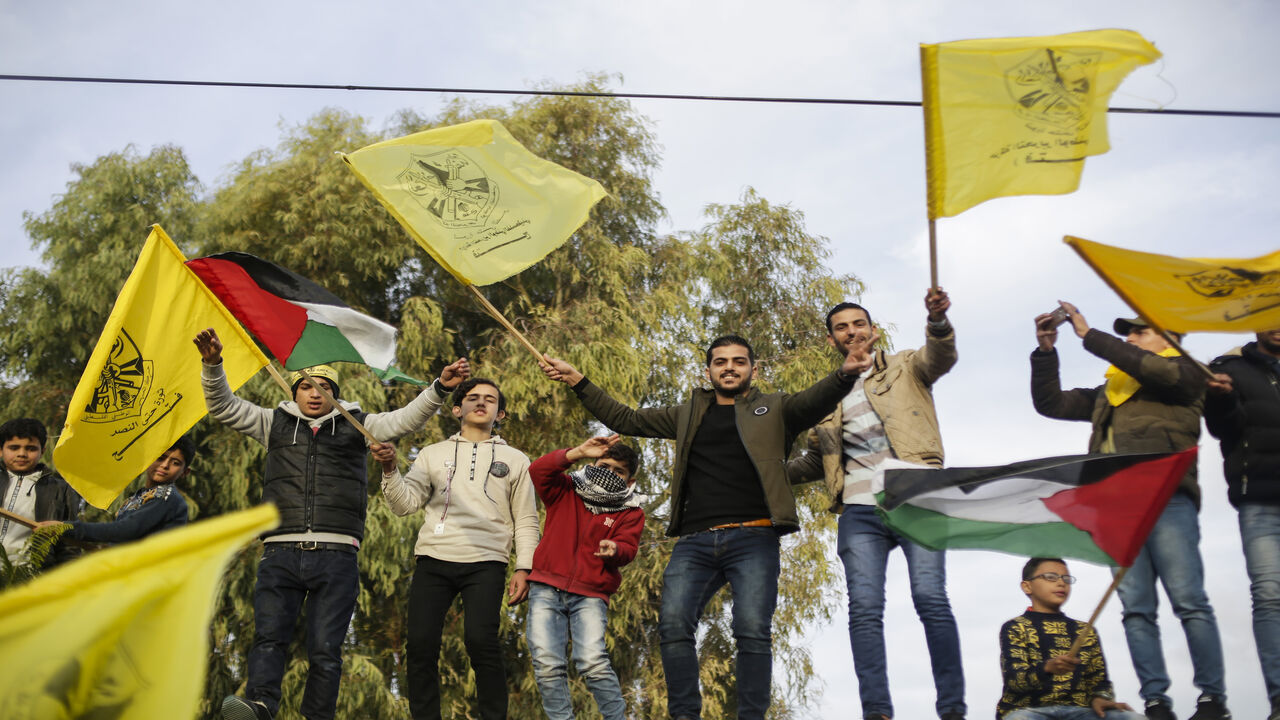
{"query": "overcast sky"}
pixel 1175 185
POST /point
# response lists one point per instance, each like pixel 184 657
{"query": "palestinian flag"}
pixel 1097 508
pixel 301 323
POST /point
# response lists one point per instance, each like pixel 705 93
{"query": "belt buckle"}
pixel 308 545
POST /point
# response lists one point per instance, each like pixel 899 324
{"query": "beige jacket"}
pixel 900 390
pixel 478 499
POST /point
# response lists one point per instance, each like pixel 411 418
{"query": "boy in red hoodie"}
pixel 593 528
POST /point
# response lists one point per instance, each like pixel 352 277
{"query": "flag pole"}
pixel 1173 342
pixel 1080 636
pixel 933 253
pixel 350 418
pixel 275 375
pixel 497 315
pixel 18 518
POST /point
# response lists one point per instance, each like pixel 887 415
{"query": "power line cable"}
pixel 577 93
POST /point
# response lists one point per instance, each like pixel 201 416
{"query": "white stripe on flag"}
pixel 372 338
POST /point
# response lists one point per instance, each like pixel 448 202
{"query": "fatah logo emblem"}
pixel 123 384
pixel 451 187
pixel 1053 89
pixel 1226 281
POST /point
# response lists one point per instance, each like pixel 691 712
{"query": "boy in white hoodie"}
pixel 478 498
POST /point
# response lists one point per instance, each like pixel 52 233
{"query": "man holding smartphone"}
pixel 1151 402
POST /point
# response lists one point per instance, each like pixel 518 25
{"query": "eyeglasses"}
pixel 1055 577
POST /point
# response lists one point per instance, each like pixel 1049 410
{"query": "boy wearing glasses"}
pixel 1042 680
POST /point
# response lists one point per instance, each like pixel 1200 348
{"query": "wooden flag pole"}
pixel 275 375
pixel 350 418
pixel 18 518
pixel 1080 636
pixel 1169 338
pixel 497 315
pixel 933 253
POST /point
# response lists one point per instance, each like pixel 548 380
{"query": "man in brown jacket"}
pixel 888 413
pixel 1151 402
pixel 730 503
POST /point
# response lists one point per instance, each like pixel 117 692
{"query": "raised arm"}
pixel 644 422
pixel 804 409
pixel 414 416
pixel 938 355
pixel 224 405
pixel 1047 395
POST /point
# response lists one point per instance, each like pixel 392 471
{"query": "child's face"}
pixel 479 407
pixel 21 455
pixel 169 467
pixel 617 467
pixel 1047 596
pixel 310 401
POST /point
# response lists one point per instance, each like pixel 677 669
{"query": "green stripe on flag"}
pixel 321 344
pixel 936 531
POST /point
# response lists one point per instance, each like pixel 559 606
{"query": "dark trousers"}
pixel 435 584
pixel 328 581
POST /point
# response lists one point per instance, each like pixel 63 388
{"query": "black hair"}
pixel 1029 570
pixel 846 306
pixel 724 340
pixel 461 391
pixel 24 428
pixel 187 447
pixel 626 455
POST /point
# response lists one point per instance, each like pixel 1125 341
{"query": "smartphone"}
pixel 1056 317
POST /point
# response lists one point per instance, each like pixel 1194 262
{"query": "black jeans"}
pixel 329 582
pixel 435 584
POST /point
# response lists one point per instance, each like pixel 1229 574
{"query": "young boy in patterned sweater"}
pixel 1042 681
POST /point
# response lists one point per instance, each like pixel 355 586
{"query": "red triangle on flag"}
pixel 1119 511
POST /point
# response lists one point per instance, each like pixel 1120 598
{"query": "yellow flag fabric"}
pixel 1018 116
pixel 471 195
pixel 122 633
pixel 1190 294
pixel 140 390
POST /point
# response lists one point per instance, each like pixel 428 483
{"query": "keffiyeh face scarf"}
pixel 604 491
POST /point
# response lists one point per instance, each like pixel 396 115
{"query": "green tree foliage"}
pixel 89 241
pixel 633 308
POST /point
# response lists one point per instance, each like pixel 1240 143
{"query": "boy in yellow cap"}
pixel 315 475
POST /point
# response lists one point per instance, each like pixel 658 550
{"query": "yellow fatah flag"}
pixel 1190 294
pixel 480 203
pixel 140 390
pixel 1018 116
pixel 122 633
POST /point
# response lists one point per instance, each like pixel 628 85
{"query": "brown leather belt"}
pixel 766 522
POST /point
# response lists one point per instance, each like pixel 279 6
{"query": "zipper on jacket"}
pixel 309 492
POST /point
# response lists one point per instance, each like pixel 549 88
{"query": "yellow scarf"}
pixel 1121 386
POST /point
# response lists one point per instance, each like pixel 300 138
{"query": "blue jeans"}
pixel 701 563
pixel 1260 535
pixel 864 543
pixel 1172 554
pixel 556 615
pixel 329 582
pixel 1069 712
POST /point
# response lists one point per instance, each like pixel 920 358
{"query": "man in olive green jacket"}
pixel 731 501
pixel 1150 402
pixel 888 413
